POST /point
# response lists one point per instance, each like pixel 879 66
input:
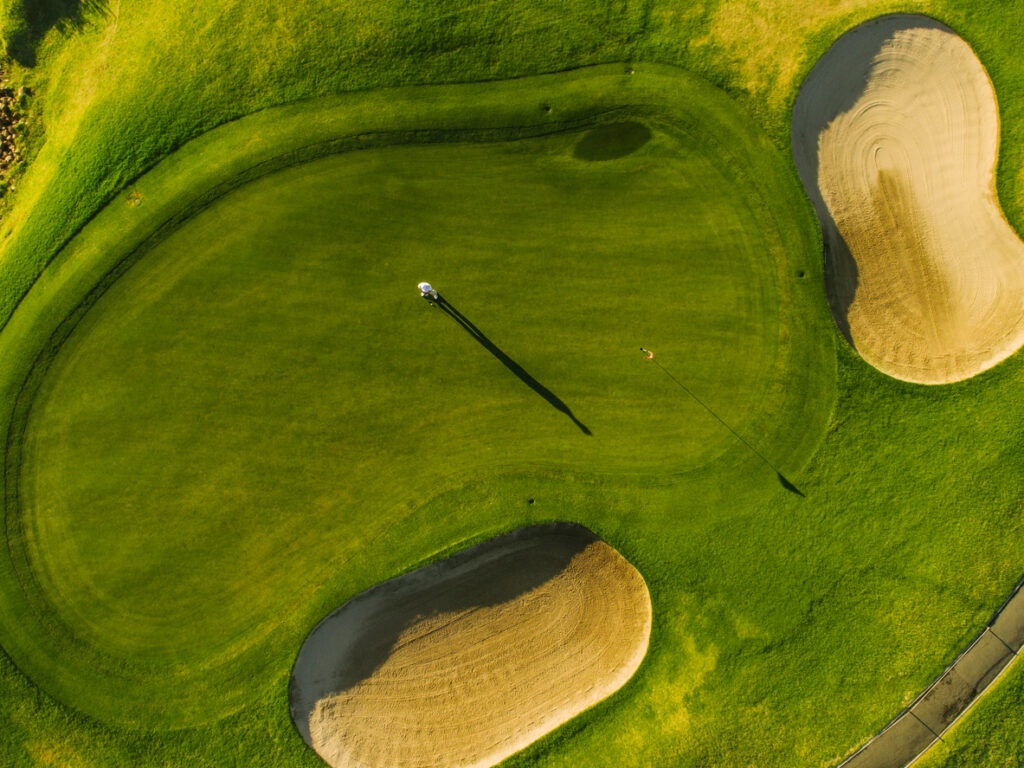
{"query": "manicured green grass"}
pixel 787 628
pixel 265 404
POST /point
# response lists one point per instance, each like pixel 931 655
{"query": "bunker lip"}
pixel 895 136
pixel 467 660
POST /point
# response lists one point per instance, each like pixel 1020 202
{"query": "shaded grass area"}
pixel 26 22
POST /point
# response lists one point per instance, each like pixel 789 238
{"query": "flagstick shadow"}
pixel 788 485
pixel 555 402
pixel 782 478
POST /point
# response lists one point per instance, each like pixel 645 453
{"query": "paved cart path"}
pixel 932 713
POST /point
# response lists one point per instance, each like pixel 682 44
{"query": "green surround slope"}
pixel 236 406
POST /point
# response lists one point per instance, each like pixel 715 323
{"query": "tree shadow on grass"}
pixel 26 22
pixel 509 363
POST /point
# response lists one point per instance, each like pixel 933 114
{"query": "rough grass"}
pixel 906 540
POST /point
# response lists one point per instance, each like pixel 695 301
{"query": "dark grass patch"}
pixel 610 142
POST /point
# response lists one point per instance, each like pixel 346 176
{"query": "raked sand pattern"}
pixel 467 660
pixel 895 135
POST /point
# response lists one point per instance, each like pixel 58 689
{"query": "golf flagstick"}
pixel 648 355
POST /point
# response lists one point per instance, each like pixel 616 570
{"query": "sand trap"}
pixel 895 135
pixel 465 661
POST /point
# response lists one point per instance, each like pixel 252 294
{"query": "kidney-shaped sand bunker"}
pixel 469 659
pixel 895 134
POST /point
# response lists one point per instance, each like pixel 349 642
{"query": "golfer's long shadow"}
pixel 509 363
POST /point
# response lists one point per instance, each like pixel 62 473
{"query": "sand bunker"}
pixel 467 660
pixel 895 135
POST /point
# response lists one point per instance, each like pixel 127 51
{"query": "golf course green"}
pixel 263 395
pixel 228 411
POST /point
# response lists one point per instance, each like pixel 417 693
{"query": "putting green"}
pixel 223 436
